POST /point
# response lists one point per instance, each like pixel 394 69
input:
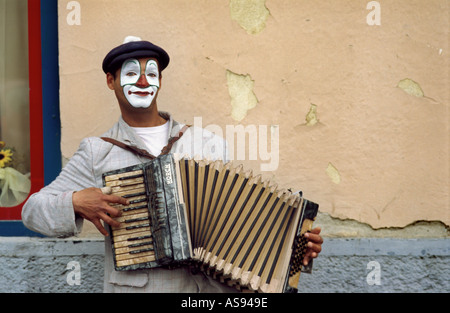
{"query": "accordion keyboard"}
pixel 132 241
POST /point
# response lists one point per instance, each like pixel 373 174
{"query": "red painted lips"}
pixel 141 93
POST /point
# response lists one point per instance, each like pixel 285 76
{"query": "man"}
pixel 133 71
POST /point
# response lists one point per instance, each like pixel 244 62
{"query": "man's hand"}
pixel 314 245
pixel 92 204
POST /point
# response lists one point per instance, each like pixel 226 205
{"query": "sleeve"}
pixel 50 211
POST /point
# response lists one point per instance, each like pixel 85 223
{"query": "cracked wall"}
pixel 362 110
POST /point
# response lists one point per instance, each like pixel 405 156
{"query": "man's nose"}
pixel 142 82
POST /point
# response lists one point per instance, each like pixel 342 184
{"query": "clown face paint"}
pixel 139 87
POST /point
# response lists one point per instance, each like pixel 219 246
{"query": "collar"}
pixel 127 135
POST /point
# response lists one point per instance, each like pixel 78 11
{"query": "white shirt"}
pixel 155 138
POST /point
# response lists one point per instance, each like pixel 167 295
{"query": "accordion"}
pixel 212 216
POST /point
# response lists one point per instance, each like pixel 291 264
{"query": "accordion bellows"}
pixel 213 217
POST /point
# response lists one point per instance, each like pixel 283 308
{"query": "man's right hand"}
pixel 92 204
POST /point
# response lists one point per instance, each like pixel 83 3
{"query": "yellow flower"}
pixel 5 157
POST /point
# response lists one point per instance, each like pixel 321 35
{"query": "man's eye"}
pixel 131 74
pixel 153 75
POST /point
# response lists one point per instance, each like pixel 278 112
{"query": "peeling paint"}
pixel 311 117
pixel 333 173
pixel 240 88
pixel 410 87
pixel 251 15
pixel 343 227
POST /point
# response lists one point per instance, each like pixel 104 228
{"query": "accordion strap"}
pixel 143 152
pixel 172 140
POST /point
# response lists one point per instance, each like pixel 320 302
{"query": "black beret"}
pixel 134 49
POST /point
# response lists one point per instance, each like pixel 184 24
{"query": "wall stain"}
pixel 333 173
pixel 412 88
pixel 251 15
pixel 240 88
pixel 311 117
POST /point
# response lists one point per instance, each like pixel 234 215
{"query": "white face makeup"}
pixel 139 87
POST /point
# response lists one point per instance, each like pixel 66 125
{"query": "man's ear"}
pixel 110 81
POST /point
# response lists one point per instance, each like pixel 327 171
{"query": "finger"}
pixel 113 211
pixel 314 238
pixel 314 247
pixel 108 220
pixel 100 227
pixel 116 199
pixel 308 257
pixel 316 230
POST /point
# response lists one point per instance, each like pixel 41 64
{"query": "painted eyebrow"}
pixel 151 62
pixel 130 61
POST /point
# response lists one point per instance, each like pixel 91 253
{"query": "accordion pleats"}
pixel 241 227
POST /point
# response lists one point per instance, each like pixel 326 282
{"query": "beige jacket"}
pixel 50 211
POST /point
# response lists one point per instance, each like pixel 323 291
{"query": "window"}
pixel 29 104
pixel 14 104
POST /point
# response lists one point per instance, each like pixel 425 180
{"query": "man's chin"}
pixel 140 107
pixel 140 103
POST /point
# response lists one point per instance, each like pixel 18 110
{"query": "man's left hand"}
pixel 314 245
